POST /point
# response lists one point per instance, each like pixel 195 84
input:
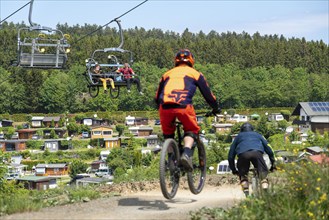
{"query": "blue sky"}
pixel 309 19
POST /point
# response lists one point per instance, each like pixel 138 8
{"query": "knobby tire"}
pixel 115 93
pixel 197 177
pixel 93 91
pixel 255 185
pixel 169 178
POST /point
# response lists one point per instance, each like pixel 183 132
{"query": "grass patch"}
pixel 19 201
pixel 22 200
pixel 81 193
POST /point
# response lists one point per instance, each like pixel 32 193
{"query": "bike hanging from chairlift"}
pixel 109 60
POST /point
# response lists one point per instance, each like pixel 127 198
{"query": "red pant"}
pixel 185 115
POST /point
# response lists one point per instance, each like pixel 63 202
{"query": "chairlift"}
pixel 42 47
pixel 109 60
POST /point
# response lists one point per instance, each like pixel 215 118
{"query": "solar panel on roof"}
pixel 319 106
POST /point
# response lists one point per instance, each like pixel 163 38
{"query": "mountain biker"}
pixel 250 147
pixel 174 99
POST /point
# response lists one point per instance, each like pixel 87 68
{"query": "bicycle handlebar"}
pixel 206 114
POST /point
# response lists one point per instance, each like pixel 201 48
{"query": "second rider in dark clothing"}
pixel 250 146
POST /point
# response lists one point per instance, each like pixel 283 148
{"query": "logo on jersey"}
pixel 178 95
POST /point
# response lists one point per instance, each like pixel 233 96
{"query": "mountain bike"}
pixel 256 188
pixel 254 184
pixel 171 169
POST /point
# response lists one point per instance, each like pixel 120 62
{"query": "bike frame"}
pixel 179 135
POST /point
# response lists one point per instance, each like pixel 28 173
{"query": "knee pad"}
pixel 191 134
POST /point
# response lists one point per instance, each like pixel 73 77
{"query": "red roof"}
pixel 320 158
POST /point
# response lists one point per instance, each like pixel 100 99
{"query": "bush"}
pixel 77 167
pixel 80 193
pixel 141 173
pixel 34 144
pixel 79 144
pixel 98 142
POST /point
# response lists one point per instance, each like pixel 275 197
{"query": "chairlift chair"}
pixel 109 68
pixel 42 50
pixel 43 47
pixel 110 60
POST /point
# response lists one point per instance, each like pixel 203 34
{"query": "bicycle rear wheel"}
pixel 255 183
pixel 115 92
pixel 197 177
pixel 169 170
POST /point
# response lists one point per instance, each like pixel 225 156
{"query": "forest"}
pixel 243 70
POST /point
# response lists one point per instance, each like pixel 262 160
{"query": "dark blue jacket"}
pixel 246 141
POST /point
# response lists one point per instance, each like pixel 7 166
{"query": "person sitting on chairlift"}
pixel 97 70
pixel 130 77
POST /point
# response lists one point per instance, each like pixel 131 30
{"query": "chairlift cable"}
pixel 15 12
pixel 109 22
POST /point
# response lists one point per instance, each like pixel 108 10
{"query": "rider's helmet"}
pixel 246 127
pixel 184 56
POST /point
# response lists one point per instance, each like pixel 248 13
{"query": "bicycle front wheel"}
pixel 169 170
pixel 197 177
pixel 93 91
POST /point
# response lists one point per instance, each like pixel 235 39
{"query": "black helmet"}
pixel 246 127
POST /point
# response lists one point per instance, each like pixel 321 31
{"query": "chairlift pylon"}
pixel 42 47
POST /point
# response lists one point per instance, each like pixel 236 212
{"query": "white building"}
pixel 36 122
pixel 239 118
pixel 130 120
pixel 104 154
pixel 312 115
pixel 275 117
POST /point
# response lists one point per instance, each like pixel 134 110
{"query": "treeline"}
pixel 244 71
pixel 43 91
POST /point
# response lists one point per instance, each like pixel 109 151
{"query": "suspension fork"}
pixel 179 137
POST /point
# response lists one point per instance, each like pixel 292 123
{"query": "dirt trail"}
pixel 142 205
